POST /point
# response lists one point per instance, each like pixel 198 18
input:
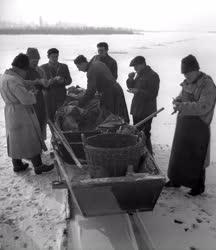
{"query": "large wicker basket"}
pixel 110 155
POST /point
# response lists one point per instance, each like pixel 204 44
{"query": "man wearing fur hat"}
pixel 195 107
pixel 36 78
pixel 60 77
pixel 23 133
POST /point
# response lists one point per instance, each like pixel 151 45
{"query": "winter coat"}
pixel 40 108
pixel 23 132
pixel 144 102
pixel 112 97
pixel 55 94
pixel 110 63
pixel 198 99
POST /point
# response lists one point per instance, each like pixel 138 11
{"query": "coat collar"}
pixel 13 72
pixel 145 70
pixel 195 81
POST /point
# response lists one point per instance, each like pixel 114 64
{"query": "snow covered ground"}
pixel 32 215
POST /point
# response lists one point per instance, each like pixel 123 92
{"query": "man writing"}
pixel 60 77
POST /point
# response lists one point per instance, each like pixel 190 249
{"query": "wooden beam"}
pixel 141 235
pixel 67 180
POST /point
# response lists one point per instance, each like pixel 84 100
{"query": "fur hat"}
pixel 33 53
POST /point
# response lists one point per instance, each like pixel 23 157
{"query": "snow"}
pixel 32 215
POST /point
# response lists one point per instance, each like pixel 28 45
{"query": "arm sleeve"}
pixel 115 69
pixel 130 83
pixel 23 95
pixel 91 90
pixel 42 73
pixel 68 79
pixel 179 97
pixel 205 103
pixel 151 91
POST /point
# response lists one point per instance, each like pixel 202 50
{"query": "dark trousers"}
pixel 36 161
pixel 146 128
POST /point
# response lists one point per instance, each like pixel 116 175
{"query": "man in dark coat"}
pixel 37 80
pixel 60 77
pixel 100 79
pixel 104 57
pixel 145 88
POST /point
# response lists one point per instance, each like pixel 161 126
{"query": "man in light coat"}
pixel 24 140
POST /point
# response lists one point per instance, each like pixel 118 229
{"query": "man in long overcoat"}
pixel 23 133
pixel 195 108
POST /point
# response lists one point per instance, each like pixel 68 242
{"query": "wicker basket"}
pixel 109 155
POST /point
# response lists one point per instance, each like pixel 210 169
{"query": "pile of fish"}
pixel 71 117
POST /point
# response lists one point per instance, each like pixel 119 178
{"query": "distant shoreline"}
pixel 66 31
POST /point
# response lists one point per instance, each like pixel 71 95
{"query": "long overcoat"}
pixel 23 132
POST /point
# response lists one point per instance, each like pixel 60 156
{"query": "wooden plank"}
pixel 141 235
pixel 58 133
pixel 67 180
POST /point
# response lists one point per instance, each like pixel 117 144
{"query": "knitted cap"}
pixel 189 64
pixel 21 61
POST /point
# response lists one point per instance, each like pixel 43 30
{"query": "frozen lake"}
pixel 163 52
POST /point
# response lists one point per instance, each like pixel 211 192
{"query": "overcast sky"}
pixel 144 14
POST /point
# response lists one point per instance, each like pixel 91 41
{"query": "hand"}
pixel 133 90
pixel 51 81
pixel 131 75
pixel 45 83
pixel 177 106
pixel 33 91
pixel 176 100
pixel 60 79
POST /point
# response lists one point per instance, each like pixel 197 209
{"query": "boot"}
pixel 43 168
pixel 19 166
pixel 196 191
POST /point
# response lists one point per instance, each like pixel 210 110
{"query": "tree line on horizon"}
pixel 64 31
